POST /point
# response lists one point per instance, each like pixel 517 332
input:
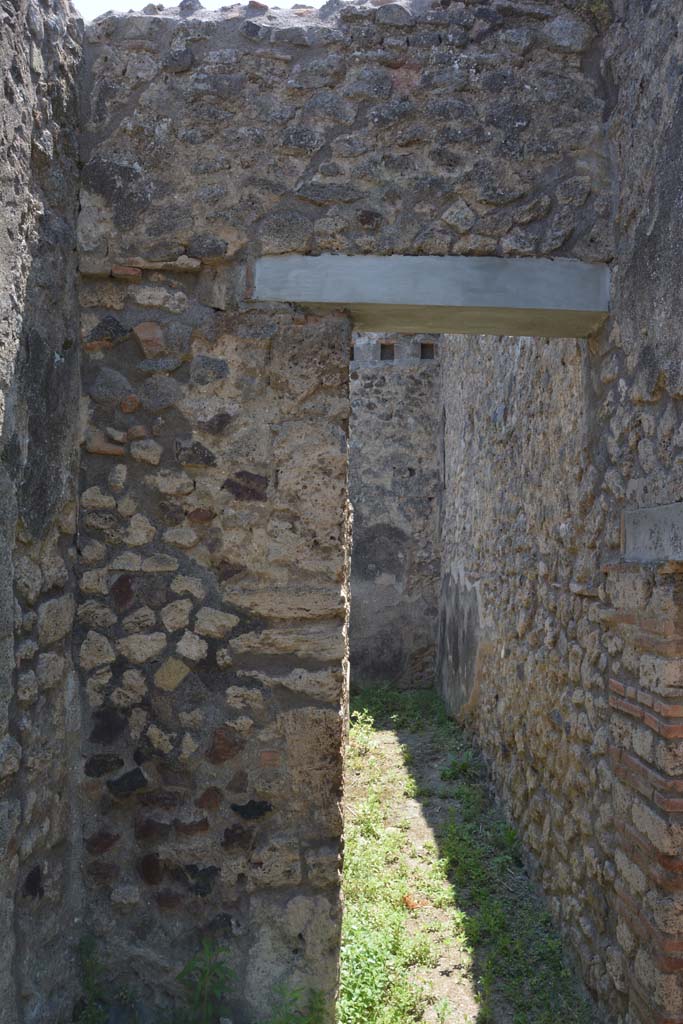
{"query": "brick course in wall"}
pixel 646 729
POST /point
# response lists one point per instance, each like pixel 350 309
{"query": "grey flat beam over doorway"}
pixel 653 534
pixel 444 294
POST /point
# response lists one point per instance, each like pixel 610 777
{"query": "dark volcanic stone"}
pixel 160 393
pixel 123 184
pixel 252 809
pixel 193 453
pixel 160 798
pixel 122 593
pixel 323 194
pixel 239 782
pixel 152 591
pixel 246 486
pixel 108 329
pixel 102 764
pixel 369 219
pixel 200 880
pixel 127 784
pixel 164 364
pixel 178 61
pixel 226 570
pixel 110 387
pixel 108 724
pixel 151 869
pixel 207 369
pixel 171 512
pixel 33 884
pixel 206 247
pixel 237 835
pixel 218 423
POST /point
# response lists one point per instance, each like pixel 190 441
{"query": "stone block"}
pixel 170 675
pixel 55 619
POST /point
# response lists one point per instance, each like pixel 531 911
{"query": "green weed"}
pixel 412 710
pixel 206 980
pixel 465 766
pixel 92 1009
pixel 295 1007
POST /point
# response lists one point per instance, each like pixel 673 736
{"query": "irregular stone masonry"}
pixel 354 129
pixel 212 139
pixel 39 842
pixel 520 652
pixel 210 632
pixel 565 659
pixel 394 489
pixel 212 535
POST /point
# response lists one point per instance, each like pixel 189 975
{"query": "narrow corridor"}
pixel 442 923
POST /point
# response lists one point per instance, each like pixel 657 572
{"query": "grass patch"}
pixel 413 710
pixel 378 950
pixel 508 942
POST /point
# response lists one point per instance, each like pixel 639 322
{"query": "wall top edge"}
pixel 392 15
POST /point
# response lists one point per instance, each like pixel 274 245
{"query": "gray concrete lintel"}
pixel 653 534
pixel 444 294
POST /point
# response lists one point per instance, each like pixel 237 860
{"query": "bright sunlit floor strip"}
pixel 442 924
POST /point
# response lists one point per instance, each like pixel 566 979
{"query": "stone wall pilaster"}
pixel 211 638
pixel 646 749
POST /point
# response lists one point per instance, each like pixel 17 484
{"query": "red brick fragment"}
pixel 131 403
pixel 126 273
pixel 151 338
pixel 168 900
pixel 201 515
pixel 97 345
pixel 210 800
pixel 191 828
pixel 225 744
pixel 151 828
pixel 96 443
pixel 100 842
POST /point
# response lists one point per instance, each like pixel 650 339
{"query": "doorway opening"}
pixel 442 923
pixel 394 486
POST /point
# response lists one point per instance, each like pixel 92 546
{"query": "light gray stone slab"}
pixel 653 534
pixel 444 294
